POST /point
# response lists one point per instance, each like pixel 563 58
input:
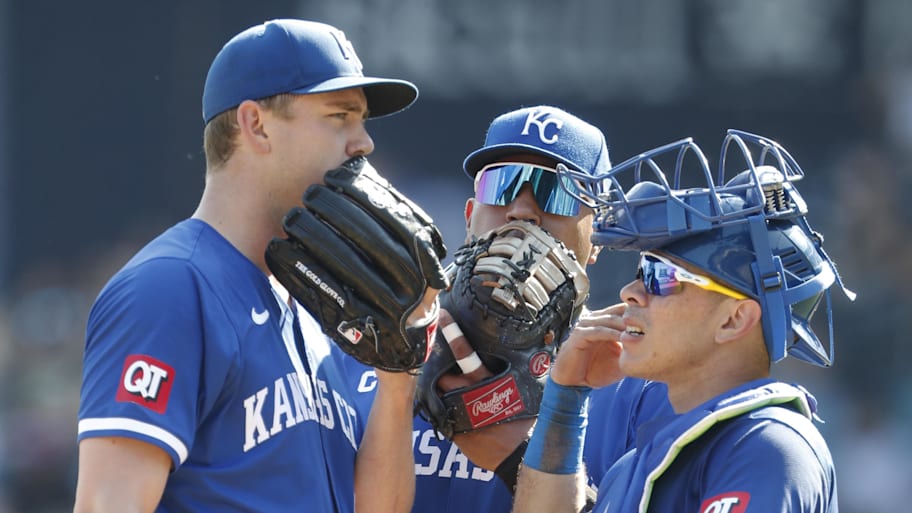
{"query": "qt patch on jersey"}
pixel 729 502
pixel 146 382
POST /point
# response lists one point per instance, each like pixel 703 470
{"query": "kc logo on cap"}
pixel 347 48
pixel 542 119
pixel 543 130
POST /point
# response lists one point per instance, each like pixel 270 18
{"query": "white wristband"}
pixel 451 332
pixel 470 363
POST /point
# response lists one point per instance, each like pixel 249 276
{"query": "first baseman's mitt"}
pixel 516 293
pixel 359 256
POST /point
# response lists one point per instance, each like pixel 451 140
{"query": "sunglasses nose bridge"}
pixel 659 279
pixel 524 205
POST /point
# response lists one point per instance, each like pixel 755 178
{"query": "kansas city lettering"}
pixel 316 280
pixel 430 459
pixel 293 404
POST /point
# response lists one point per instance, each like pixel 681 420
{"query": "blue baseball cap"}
pixel 295 56
pixel 543 130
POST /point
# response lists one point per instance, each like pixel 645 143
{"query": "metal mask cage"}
pixel 693 199
pixel 640 207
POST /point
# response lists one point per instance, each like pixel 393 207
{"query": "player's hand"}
pixel 517 291
pixel 426 311
pixel 489 446
pixel 405 382
pixel 589 357
pixel 461 348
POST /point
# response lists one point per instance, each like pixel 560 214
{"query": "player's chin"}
pixel 630 363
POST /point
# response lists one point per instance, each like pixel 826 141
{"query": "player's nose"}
pixel 634 293
pixel 360 143
pixel 524 207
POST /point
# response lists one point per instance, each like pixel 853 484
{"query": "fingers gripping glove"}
pixel 359 256
pixel 516 293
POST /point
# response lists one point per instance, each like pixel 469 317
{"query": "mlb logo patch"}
pixel 145 381
pixel 351 334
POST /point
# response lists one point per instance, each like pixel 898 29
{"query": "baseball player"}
pixel 728 279
pixel 522 149
pixel 205 387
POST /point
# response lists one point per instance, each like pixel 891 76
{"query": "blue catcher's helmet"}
pixel 749 232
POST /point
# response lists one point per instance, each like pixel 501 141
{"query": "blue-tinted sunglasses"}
pixel 500 183
pixel 662 277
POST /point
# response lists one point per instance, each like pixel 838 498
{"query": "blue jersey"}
pixel 615 414
pixel 190 348
pixel 446 481
pixel 753 449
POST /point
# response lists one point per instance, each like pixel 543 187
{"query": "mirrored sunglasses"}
pixel 500 183
pixel 662 277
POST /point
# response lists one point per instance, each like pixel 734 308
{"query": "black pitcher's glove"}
pixel 359 256
pixel 516 294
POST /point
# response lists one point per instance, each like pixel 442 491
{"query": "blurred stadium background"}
pixel 100 149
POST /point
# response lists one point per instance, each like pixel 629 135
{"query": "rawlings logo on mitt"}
pixel 517 292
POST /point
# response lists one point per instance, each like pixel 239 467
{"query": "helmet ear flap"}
pixel 805 345
pixel 805 275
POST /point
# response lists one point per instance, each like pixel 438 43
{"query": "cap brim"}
pixel 385 96
pixel 484 156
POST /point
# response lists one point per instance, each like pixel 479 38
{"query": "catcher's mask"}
pixel 750 233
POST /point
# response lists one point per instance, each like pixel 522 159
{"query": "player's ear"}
pixel 743 316
pixel 594 253
pixel 251 126
pixel 469 208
